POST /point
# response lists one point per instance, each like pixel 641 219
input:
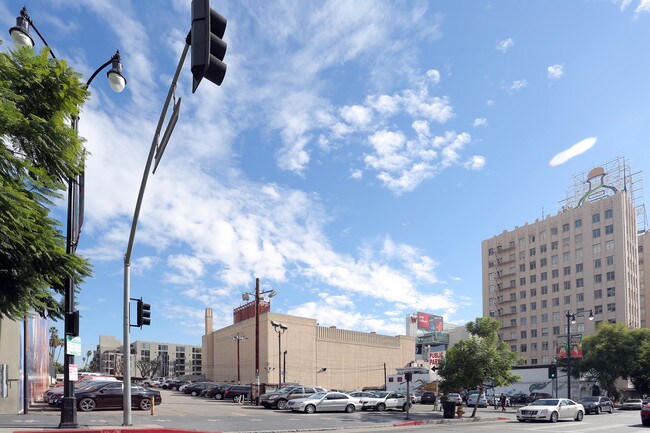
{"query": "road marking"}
pixel 25 420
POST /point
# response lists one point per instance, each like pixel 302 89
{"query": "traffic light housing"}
pixel 208 49
pixel 552 371
pixel 144 314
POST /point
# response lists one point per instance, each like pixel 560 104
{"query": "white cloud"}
pixel 476 162
pixel 356 174
pixel 490 103
pixel 575 150
pixel 555 72
pixel 505 45
pixel 625 4
pixel 434 75
pixel 644 6
pixel 480 121
pixel 518 85
pixel 357 115
pixel 143 264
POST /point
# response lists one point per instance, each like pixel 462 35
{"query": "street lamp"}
pixel 75 209
pixel 571 320
pixel 284 370
pixel 280 329
pixel 258 294
pixel 238 338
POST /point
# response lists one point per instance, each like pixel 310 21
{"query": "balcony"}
pixel 433 338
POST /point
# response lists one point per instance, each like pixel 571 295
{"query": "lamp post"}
pixel 280 329
pixel 258 295
pixel 75 211
pixel 238 338
pixel 284 370
pixel 571 320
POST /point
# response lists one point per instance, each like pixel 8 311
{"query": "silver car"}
pixel 325 402
pixel 551 409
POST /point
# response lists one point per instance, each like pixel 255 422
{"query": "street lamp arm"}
pixel 98 70
pixel 24 29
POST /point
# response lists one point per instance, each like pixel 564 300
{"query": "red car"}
pixel 645 415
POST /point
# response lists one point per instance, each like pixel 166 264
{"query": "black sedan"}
pixel 597 404
pixel 196 388
pixel 110 395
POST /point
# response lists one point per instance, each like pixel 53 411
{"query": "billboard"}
pixel 562 348
pixel 429 322
pixel 434 358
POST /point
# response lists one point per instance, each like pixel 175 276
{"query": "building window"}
pixel 523 334
pixel 513 348
pixel 532 279
pixel 609 214
pixel 513 309
pixel 513 322
pixel 523 347
pixel 522 294
pixel 544 290
pixel 533 333
pixel 556 302
pixel 522 308
pixel 553 245
pixel 581 327
pixel 522 321
pixel 609 245
pixel 556 316
pixel 555 273
pixel 567 285
pixel 544 332
pixel 555 287
pixel 542 262
pixel 578 239
pixel 596 248
pixel 532 265
pixel 513 296
pixel 553 231
pixel 554 260
pixel 578 223
pixel 609 229
pixel 522 243
pixel 610 276
pixel 533 320
pixel 595 233
pixel 533 292
pixel 595 218
pixel 598 278
pixel 545 345
pixel 609 260
pixel 578 267
pixel 565 228
pixel 598 294
pixel 533 306
pixel 611 308
pixel 567 270
pixel 542 249
pixel 543 276
pixel 566 256
pixel 598 309
pixel 522 281
pixel 522 268
pixel 566 242
pixel 611 292
pixel 580 297
pixel 556 330
pixel 596 263
pixel 567 299
pixel 580 282
pixel 545 303
pixel 544 319
pixel 522 255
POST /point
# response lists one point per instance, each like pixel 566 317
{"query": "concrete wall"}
pixel 10 355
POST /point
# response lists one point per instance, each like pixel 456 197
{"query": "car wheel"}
pixel 579 416
pixel 349 408
pixel 380 407
pixel 645 423
pixel 554 417
pixel 310 408
pixel 194 394
pixel 218 396
pixel 597 410
pixel 521 420
pixel 87 404
pixel 145 404
pixel 282 404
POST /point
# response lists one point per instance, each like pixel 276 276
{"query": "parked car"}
pixel 597 404
pixel 428 397
pixel 109 395
pixel 216 391
pixel 551 409
pixel 359 394
pixel 645 415
pixel 632 404
pixel 182 387
pixel 53 396
pixel 455 397
pixel 519 398
pixel 235 391
pixel 383 400
pixel 196 388
pixel 279 398
pixel 325 402
pixel 482 402
pixel 537 395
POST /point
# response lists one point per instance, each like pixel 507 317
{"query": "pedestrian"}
pixel 495 401
pixel 503 402
pixel 435 402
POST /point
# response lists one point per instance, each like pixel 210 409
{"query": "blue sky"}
pixel 355 156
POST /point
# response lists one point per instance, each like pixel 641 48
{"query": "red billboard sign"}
pixel 429 322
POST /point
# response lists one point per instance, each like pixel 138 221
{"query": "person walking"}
pixel 503 402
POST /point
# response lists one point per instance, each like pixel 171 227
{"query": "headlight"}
pixel 543 411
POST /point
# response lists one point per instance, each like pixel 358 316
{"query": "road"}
pixel 194 413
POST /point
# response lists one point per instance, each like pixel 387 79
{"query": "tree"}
pixel 639 372
pixel 148 369
pixel 39 151
pixel 56 344
pixel 473 362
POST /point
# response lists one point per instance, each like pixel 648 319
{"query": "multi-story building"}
pixel 583 261
pixel 149 358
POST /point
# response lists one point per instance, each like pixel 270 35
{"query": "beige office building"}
pixel 304 352
pixel 583 260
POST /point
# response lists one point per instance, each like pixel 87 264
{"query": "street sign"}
pixel 73 345
pixel 73 370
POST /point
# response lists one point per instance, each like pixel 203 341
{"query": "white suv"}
pixel 482 402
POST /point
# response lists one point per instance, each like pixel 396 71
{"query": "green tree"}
pixel 608 354
pixel 639 372
pixel 473 362
pixel 39 151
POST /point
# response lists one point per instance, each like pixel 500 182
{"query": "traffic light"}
pixel 144 314
pixel 408 376
pixel 552 371
pixel 208 49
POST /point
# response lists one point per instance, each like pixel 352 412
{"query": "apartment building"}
pixel 587 260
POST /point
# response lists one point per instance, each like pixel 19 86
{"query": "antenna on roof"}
pixel 542 212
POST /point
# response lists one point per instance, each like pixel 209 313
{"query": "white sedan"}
pixel 551 409
pixel 325 402
pixel 382 400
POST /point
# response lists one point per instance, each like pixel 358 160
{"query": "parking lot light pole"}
pixel 280 329
pixel 258 295
pixel 571 320
pixel 238 338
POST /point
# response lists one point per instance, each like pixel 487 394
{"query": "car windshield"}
pixel 589 399
pixel 634 401
pixel 284 389
pixel 545 402
pixel 379 394
pixel 318 395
